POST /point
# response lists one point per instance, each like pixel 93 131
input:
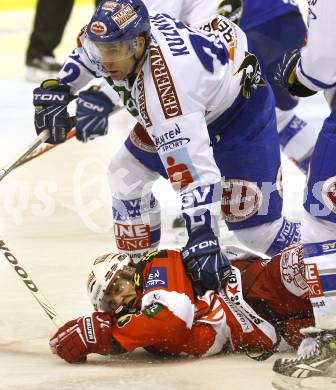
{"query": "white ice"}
pixel 56 218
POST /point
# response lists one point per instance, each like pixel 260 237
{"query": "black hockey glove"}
pixel 231 9
pixel 286 77
pixel 50 100
pixel 204 261
pixel 93 109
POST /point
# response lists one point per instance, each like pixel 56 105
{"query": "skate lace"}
pixel 316 351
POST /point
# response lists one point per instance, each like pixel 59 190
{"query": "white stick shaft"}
pixel 42 137
pixel 42 301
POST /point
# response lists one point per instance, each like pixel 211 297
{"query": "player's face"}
pixel 120 293
pixel 119 70
pixel 119 59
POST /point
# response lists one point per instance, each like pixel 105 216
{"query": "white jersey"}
pixel 189 78
pixel 191 12
pixel 317 68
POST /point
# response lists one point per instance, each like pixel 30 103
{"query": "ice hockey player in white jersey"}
pixel 191 12
pixel 275 28
pixel 206 121
pixel 304 72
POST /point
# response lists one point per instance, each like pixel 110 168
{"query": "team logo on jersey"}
pixel 98 28
pixel 180 169
pixel 171 140
pixel 232 10
pixel 251 77
pixel 125 319
pixel 157 278
pixel 292 269
pixel 313 280
pixel 241 199
pixel 329 194
pixel 153 309
pixel 142 100
pixel 164 84
pixel 125 16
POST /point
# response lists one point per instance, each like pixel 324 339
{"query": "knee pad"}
pixel 137 225
pixel 270 238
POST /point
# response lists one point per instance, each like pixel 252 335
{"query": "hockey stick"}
pixel 41 300
pixel 42 137
pixel 43 149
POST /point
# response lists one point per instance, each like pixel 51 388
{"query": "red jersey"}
pixel 173 321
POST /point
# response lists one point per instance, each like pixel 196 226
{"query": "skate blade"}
pixel 282 382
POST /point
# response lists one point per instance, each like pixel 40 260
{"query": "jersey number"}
pixel 208 50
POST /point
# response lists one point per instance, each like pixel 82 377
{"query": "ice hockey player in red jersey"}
pixel 153 305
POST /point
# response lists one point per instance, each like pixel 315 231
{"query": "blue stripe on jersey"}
pixel 328 282
pixel 319 249
pixel 256 12
pixel 155 236
pixel 291 130
pixel 316 82
pixel 304 164
pixel 289 233
pixel 132 208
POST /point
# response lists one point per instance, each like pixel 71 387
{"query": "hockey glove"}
pixel 77 338
pixel 285 75
pixel 231 9
pixel 93 109
pixel 207 266
pixel 50 100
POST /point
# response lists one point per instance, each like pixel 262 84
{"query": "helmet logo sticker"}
pixel 109 6
pixel 111 271
pixel 125 16
pixel 98 28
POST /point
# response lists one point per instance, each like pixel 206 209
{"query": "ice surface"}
pixel 56 218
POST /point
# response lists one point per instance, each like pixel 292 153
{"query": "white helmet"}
pixel 105 270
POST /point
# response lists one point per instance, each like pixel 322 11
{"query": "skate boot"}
pixel 314 370
pixel 39 69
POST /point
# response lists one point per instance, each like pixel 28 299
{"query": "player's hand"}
pixel 50 100
pixel 285 75
pixel 77 338
pixel 93 109
pixel 231 9
pixel 207 266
